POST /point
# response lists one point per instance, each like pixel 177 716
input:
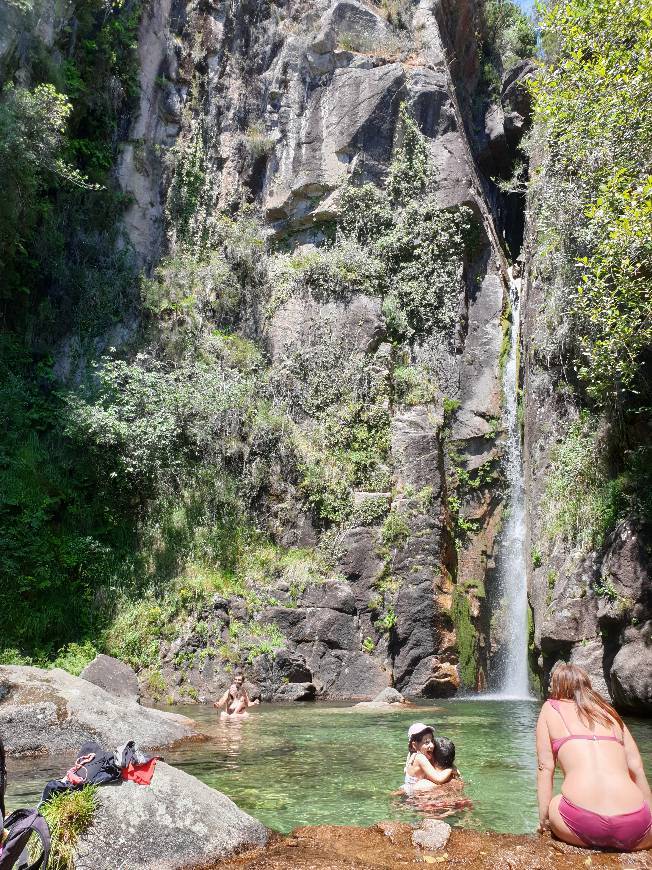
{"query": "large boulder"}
pixel 49 712
pixel 176 822
pixel 113 675
pixel 631 672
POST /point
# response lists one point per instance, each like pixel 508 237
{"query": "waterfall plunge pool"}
pixel 326 763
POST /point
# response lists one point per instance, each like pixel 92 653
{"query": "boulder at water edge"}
pixel 387 698
pixel 47 712
pixel 113 675
pixel 176 822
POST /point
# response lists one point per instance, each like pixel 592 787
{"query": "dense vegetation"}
pixel 508 37
pixel 136 483
pixel 593 202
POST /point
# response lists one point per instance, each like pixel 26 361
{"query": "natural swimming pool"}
pixel 307 764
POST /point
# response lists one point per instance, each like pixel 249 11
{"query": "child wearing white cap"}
pixel 420 771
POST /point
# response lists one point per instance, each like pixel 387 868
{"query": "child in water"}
pixel 447 798
pixel 422 770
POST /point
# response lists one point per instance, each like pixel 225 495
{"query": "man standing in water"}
pixel 235 699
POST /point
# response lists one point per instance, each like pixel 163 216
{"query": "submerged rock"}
pixel 176 822
pixel 47 712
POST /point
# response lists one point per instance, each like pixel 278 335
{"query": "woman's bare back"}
pixel 596 771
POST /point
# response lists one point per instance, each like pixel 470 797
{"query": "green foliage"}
pixel 74 657
pixel 509 37
pixel 604 588
pixel 411 173
pixel 32 147
pixel 396 530
pixel 450 406
pixel 366 213
pixel 387 621
pixel 536 557
pixel 143 422
pixel 423 253
pixel 326 492
pixel 52 138
pixel 368 645
pixel 251 639
pixel 257 141
pixel 53 556
pixel 614 299
pixel 581 501
pixel 467 639
pixel 370 510
pixel 419 246
pixel 591 101
pixel 156 686
pixel 187 291
pixel 331 272
pixel 414 385
pixel 68 815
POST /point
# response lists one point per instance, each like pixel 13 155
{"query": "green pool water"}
pixel 320 763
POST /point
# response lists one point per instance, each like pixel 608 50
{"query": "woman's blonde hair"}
pixel 572 683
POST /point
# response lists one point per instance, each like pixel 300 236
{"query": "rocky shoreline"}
pixel 390 845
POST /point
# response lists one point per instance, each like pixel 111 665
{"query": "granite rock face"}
pixel 293 102
pixel 50 712
pixel 114 676
pixel 592 607
pixel 174 823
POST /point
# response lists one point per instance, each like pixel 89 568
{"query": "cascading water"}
pixel 510 667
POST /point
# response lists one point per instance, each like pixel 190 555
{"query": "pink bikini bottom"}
pixel 622 832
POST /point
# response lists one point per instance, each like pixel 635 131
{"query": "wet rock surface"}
pixel 389 845
pixel 174 823
pixel 49 712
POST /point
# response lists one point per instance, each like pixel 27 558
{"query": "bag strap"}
pixel 37 824
pixel 40 827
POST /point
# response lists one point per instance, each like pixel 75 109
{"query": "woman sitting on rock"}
pixel 605 801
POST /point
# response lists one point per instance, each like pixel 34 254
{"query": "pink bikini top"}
pixel 559 742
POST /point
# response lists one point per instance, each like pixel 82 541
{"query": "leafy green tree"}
pixel 32 146
pixel 592 102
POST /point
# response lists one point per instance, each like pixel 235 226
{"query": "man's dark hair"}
pixel 444 751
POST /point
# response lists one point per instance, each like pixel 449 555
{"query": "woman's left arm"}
pixel 546 770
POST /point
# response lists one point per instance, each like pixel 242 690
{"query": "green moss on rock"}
pixel 467 639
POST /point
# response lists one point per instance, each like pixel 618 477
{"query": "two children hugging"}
pixel 430 760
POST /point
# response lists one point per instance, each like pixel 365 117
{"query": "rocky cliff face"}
pixel 282 105
pixel 591 606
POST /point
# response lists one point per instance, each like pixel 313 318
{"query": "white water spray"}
pixel 512 677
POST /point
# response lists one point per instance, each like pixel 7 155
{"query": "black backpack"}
pixel 20 824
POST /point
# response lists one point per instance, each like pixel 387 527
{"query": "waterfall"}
pixel 510 666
